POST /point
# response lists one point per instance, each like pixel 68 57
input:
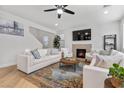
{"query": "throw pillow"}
pixel 98 60
pixel 54 51
pixel 27 52
pixel 108 61
pixel 105 52
pixel 95 60
pixel 36 54
pixel 114 52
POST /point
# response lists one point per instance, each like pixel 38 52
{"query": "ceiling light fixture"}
pixel 59 11
pixel 106 12
pixel 56 24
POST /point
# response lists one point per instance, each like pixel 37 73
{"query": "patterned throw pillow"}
pixel 36 54
pixel 105 52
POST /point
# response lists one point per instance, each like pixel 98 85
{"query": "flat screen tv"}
pixel 81 35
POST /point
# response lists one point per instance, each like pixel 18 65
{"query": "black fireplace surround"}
pixel 81 53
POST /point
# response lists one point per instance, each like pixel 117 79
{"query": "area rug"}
pixel 55 77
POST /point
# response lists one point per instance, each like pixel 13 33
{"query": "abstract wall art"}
pixel 11 28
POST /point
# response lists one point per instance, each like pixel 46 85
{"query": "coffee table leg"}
pixel 74 67
pixel 59 65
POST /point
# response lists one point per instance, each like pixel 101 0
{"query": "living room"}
pixel 83 28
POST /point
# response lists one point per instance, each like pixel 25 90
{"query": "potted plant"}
pixel 117 74
pixel 56 42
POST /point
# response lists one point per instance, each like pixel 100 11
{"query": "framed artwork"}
pixel 11 28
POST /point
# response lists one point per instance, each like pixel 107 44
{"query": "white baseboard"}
pixel 6 65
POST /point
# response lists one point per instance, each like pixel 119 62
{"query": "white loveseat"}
pixel 93 77
pixel 27 63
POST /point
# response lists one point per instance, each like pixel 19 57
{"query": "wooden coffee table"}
pixel 69 61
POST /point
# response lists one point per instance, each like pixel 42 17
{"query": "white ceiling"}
pixel 84 15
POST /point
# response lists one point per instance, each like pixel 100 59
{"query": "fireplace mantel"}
pixel 82 42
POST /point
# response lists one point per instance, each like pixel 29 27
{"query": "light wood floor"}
pixel 10 77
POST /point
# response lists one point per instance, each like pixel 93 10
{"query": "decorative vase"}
pixel 116 82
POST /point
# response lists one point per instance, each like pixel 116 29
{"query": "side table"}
pixel 108 84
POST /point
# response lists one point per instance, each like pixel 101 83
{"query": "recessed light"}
pixel 106 12
pixel 56 24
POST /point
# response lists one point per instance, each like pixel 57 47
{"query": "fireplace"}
pixel 81 53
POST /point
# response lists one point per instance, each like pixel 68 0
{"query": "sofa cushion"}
pixel 44 59
pixel 42 52
pixel 54 56
pixel 48 51
pixel 36 54
pixel 27 52
pixel 41 60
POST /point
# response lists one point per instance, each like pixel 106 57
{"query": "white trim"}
pixel 6 65
pixel 82 42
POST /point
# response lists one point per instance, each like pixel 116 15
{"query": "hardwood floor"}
pixel 10 77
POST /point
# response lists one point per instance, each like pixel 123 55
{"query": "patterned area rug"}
pixel 55 77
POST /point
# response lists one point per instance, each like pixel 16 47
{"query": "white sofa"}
pixel 28 64
pixel 90 54
pixel 93 77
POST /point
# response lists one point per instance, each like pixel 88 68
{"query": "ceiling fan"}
pixel 60 9
pixel 104 6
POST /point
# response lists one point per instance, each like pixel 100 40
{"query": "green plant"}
pixel 117 72
pixel 56 42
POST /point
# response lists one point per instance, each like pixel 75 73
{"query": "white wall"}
pixel 122 34
pixel 98 31
pixel 109 28
pixel 40 37
pixel 11 46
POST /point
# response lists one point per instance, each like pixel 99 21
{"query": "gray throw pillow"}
pixel 36 54
pixel 105 52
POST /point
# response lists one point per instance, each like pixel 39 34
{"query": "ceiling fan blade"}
pixel 56 5
pixel 106 6
pixel 65 5
pixel 50 10
pixel 69 11
pixel 59 16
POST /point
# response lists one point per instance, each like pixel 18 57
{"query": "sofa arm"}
pixel 94 77
pixel 23 63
